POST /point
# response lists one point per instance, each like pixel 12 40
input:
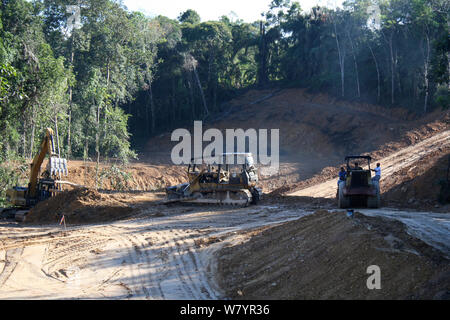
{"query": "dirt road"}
pixel 161 257
pixel 166 253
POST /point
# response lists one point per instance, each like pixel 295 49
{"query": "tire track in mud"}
pixel 187 267
pixel 139 252
pixel 192 265
pixel 128 251
pixel 141 259
pixel 12 258
pixel 137 248
pixel 66 254
pixel 169 257
pixel 168 244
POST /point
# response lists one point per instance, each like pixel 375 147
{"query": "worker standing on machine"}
pixel 342 175
pixel 377 171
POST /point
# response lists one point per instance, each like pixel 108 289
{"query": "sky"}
pixel 247 10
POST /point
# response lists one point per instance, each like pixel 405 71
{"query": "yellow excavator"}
pixel 40 187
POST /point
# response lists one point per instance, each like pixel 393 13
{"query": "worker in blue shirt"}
pixel 342 175
pixel 377 171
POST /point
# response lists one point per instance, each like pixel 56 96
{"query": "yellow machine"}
pixel 39 188
pixel 219 184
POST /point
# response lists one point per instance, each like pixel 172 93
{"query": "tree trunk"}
pixel 356 65
pixel 341 60
pixel 173 102
pixel 147 117
pixel 262 70
pixel 85 154
pixel 150 125
pixel 215 94
pixel 57 134
pixel 426 69
pixel 33 129
pixel 378 74
pixel 24 138
pixel 69 148
pixel 201 92
pixel 97 145
pixel 448 52
pixel 191 96
pixel 392 70
pixel 106 105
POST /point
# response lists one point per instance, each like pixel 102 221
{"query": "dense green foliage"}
pixel 118 75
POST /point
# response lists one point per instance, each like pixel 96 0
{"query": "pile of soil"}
pixel 326 255
pixel 79 206
pixel 142 176
pixel 418 185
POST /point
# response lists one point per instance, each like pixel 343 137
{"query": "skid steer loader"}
pixel 358 190
pixel 225 183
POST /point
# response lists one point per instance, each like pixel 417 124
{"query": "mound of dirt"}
pixel 79 206
pixel 418 185
pixel 140 176
pixel 326 255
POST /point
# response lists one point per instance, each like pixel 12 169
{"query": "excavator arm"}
pixel 47 146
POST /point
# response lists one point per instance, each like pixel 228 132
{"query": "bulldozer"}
pixel 226 184
pixel 40 187
pixel 358 190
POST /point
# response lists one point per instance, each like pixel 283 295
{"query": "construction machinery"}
pixel 359 189
pixel 224 183
pixel 40 187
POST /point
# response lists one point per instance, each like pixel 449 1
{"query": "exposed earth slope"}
pixel 128 245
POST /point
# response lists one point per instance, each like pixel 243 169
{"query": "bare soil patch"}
pixel 83 206
pixel 418 185
pixel 325 256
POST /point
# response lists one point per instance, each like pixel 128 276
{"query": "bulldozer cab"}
pixel 205 173
pixel 358 176
pixel 228 178
pixel 358 190
pixel 227 168
pixel 354 162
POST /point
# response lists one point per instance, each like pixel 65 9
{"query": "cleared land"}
pixel 295 244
